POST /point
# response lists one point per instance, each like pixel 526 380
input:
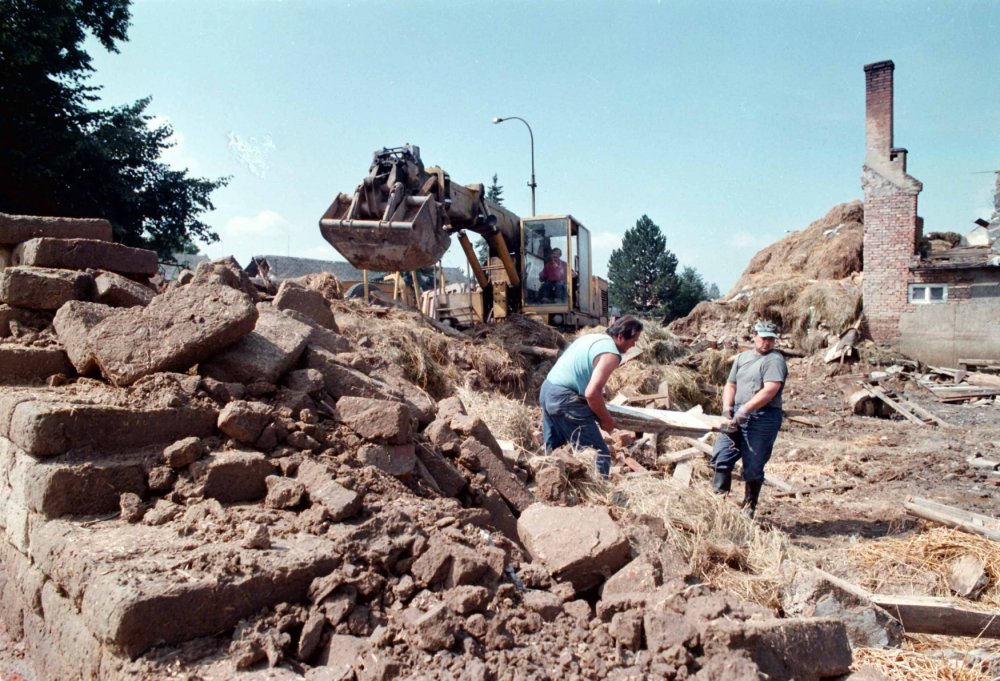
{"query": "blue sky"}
pixel 728 123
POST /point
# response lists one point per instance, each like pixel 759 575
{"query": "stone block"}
pixel 498 474
pixel 183 452
pixel 343 381
pixel 178 329
pixel 545 603
pixel 337 659
pixel 639 576
pixel 283 492
pixel 311 303
pixel 73 323
pixel 6 257
pixel 441 435
pixel 308 381
pixel 447 478
pixel 225 272
pixel 800 649
pixel 375 420
pixel 44 423
pixel 265 354
pixel 501 517
pixel 233 476
pixel 17 228
pixel 244 421
pixel 420 404
pixel 152 606
pixel 447 564
pixel 339 502
pixel 27 364
pixel 41 288
pixel 321 337
pixel 118 291
pixel 581 544
pixel 397 460
pixel 84 254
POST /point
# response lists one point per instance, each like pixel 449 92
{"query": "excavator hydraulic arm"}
pixel 402 214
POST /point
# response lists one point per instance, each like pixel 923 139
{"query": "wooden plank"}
pixel 805 421
pixel 785 487
pixel 683 472
pixel 643 420
pixel 930 615
pixel 702 447
pixel 973 523
pixel 982 380
pixel 924 413
pixel 678 456
pixel 980 362
pixel 635 465
pixel 879 393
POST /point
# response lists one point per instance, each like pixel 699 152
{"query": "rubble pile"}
pixel 809 283
pixel 204 480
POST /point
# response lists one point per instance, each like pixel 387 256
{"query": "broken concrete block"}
pixel 337 659
pixel 498 474
pixel 225 272
pixel 342 380
pixel 441 435
pixel 293 296
pixel 433 630
pixel 117 291
pixel 178 329
pixel 581 544
pixel 501 517
pixel 626 629
pixel 244 421
pixel 811 594
pixel 339 501
pixel 397 460
pixel 801 649
pixel 308 381
pixel 73 323
pixel 223 393
pixel 265 354
pixel 639 576
pixel 183 452
pixel 41 288
pixel 967 576
pixel 446 477
pixel 17 228
pixel 28 364
pixel 131 507
pixel 233 475
pixel 43 423
pixel 420 404
pixel 283 492
pixel 475 427
pixel 447 564
pixel 666 628
pixel 375 420
pixel 545 603
pixel 449 408
pixel 84 254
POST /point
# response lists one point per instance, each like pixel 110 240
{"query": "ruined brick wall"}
pixel 891 223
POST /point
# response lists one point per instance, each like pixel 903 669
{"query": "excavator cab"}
pixel 557 285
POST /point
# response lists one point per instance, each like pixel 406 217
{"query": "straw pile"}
pixel 908 665
pixel 896 562
pixel 508 419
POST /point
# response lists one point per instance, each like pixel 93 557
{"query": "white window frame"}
pixel 920 294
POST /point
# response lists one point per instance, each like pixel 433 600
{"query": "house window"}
pixel 922 294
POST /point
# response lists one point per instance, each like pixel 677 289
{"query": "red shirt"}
pixel 554 270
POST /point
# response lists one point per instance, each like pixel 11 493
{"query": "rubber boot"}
pixel 751 497
pixel 722 482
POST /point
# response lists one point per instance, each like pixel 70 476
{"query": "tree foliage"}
pixel 644 278
pixel 642 272
pixel 60 156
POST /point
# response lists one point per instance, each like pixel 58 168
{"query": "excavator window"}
pixel 546 252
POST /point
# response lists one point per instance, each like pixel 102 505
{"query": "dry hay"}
pixel 659 346
pixel 714 366
pixel 638 378
pixel 494 364
pixel 723 546
pixel 422 354
pixel 899 561
pixel 506 418
pixel 910 665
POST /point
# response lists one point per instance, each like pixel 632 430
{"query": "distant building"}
pixel 185 261
pixel 935 306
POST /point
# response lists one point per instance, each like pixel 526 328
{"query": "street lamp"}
pixel 531 184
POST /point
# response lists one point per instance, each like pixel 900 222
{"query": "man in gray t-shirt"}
pixel 752 402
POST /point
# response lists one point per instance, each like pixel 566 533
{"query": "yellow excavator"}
pixel 401 218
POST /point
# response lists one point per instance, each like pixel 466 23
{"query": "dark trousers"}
pixel 567 418
pixel 752 442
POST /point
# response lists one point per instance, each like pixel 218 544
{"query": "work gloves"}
pixel 734 420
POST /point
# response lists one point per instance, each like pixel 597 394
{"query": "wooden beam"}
pixel 906 413
pixel 930 615
pixel 702 447
pixel 683 472
pixel 966 521
pixel 678 456
pixel 817 488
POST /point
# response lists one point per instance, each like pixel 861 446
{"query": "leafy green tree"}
pixel 713 292
pixel 58 156
pixel 691 290
pixel 642 272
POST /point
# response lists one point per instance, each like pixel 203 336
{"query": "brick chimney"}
pixel 892 228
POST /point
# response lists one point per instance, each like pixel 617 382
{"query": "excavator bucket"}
pixel 411 236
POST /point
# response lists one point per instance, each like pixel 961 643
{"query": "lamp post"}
pixel 531 184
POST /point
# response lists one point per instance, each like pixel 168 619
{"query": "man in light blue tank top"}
pixel 572 396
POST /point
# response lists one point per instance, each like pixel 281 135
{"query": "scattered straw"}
pixel 924 558
pixel 908 665
pixel 507 419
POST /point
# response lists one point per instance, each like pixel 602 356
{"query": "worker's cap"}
pixel 765 329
